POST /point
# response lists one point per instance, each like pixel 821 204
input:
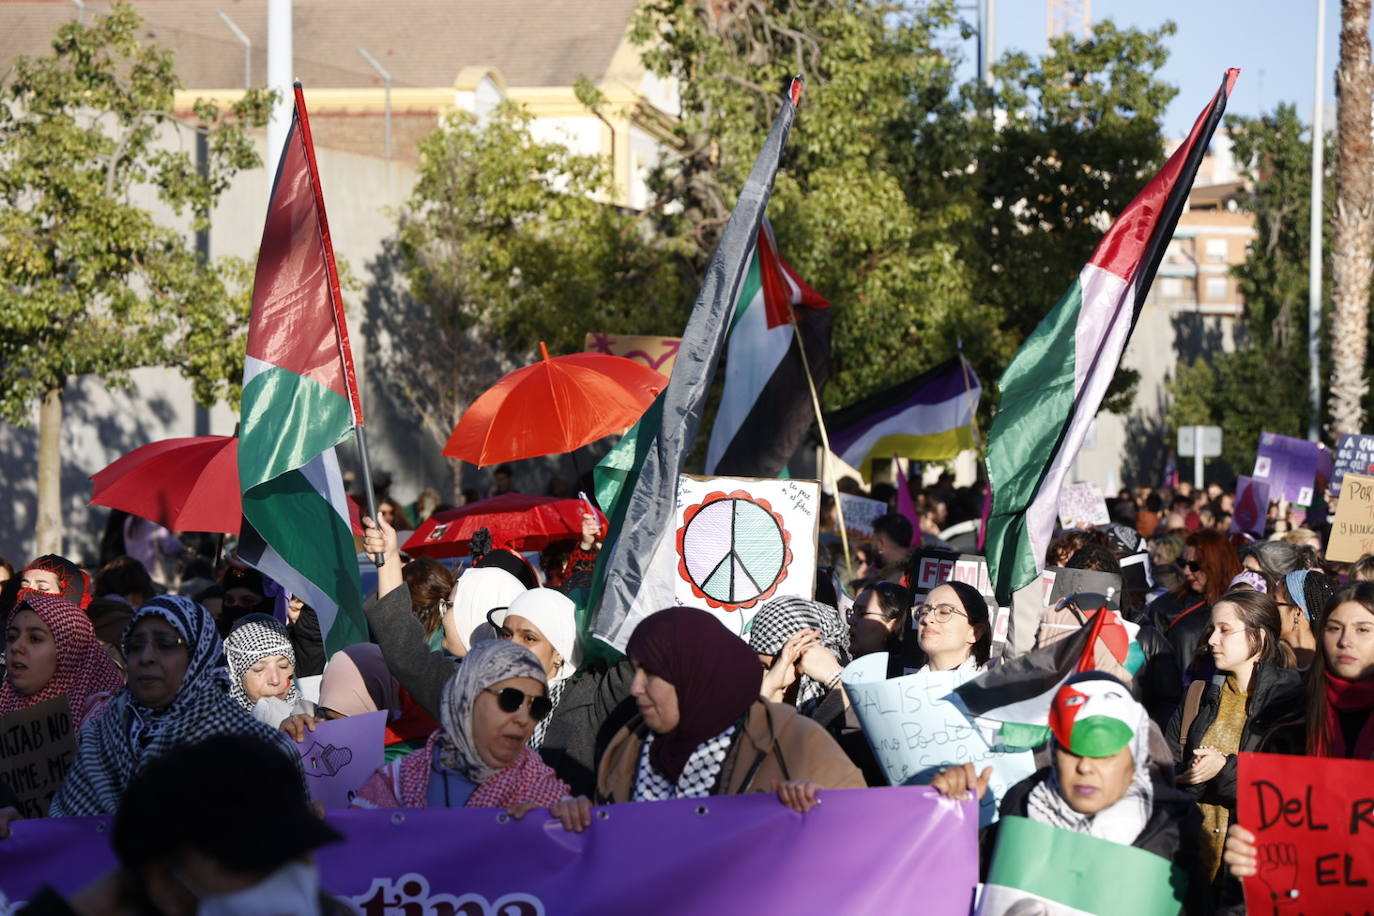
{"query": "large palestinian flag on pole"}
pixel 300 399
pixel 1054 385
pixel 637 480
pixel 766 406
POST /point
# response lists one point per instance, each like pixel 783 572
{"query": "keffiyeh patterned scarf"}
pixel 781 619
pixel 250 642
pixel 698 776
pixel 541 728
pixel 84 674
pixel 114 746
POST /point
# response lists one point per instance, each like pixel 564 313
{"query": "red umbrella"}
pixel 555 406
pixel 516 520
pixel 183 484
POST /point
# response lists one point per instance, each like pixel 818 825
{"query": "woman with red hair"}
pixel 1209 563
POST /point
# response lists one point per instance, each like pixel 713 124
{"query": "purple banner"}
pixel 859 851
pixel 1290 467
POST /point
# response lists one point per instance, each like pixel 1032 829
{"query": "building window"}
pixel 1216 287
pixel 1216 250
pixel 1171 288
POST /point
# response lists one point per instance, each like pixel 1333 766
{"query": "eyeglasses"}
pixel 510 699
pixel 1194 565
pixel 162 642
pixel 941 612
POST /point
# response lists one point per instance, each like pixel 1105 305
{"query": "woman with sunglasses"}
pixel 1234 712
pixel 703 729
pixel 51 650
pixel 878 619
pixel 953 628
pixel 481 757
pixel 587 704
pixel 1209 564
pixel 178 693
pixel 1337 719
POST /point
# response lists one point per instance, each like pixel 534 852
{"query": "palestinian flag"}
pixel 1017 693
pixel 927 418
pixel 636 483
pixel 1040 868
pixel 300 399
pixel 1054 385
pixel 766 407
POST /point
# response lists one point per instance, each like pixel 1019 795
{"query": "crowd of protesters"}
pixel 1250 642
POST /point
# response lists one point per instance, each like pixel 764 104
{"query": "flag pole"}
pixel 340 319
pixel 826 463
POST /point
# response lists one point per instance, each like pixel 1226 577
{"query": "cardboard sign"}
pixel 1352 532
pixel 915 731
pixel 340 755
pixel 1250 513
pixel 1037 868
pixel 37 745
pixel 1289 466
pixel 1082 505
pixel 1354 454
pixel 859 513
pixel 658 353
pixel 1313 820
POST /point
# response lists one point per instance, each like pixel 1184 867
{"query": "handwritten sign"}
pixel 1352 533
pixel 1082 505
pixel 1289 466
pixel 1313 820
pixel 340 755
pixel 915 731
pixel 658 353
pixel 1354 454
pixel 859 513
pixel 1251 510
pixel 37 745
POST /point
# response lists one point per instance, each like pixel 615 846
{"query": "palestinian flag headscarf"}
pixel 1094 715
pixel 73 583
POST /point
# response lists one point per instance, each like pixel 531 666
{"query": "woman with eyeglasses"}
pixel 878 619
pixel 953 628
pixel 703 729
pixel 430 583
pixel 587 704
pixel 481 757
pixel 178 693
pixel 1209 564
pixel 1249 695
pixel 51 650
pixel 1337 717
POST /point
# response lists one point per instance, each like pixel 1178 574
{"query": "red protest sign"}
pixel 1313 819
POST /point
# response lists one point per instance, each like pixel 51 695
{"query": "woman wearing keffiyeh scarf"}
pixel 262 667
pixel 178 693
pixel 54 575
pixel 52 651
pixel 480 758
pixel 780 634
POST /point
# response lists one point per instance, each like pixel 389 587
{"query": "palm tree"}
pixel 1353 229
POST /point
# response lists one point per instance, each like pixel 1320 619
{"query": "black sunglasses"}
pixel 510 699
pixel 1194 565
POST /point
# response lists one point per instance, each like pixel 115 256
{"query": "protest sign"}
pixel 340 755
pixel 1082 505
pixel 859 513
pixel 1354 454
pixel 37 745
pixel 1352 531
pixel 1289 466
pixel 739 541
pixel 658 353
pixel 726 854
pixel 1250 513
pixel 1037 868
pixel 915 731
pixel 1313 820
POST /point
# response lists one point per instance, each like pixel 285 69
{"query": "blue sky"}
pixel 1271 41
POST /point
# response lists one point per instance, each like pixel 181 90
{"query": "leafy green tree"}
pixel 90 282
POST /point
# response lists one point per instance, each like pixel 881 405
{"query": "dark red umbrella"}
pixel 555 406
pixel 187 484
pixel 516 520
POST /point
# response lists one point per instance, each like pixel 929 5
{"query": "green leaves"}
pixel 89 282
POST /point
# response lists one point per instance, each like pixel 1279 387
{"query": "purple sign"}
pixel 731 854
pixel 340 755
pixel 1289 466
pixel 1251 510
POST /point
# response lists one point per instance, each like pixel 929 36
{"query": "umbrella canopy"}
pixel 516 520
pixel 555 406
pixel 187 484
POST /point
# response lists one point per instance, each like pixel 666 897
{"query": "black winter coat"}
pixel 1181 619
pixel 594 706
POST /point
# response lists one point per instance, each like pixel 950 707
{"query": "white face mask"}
pixel 292 889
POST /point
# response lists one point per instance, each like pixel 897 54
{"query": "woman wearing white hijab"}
pixel 475 594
